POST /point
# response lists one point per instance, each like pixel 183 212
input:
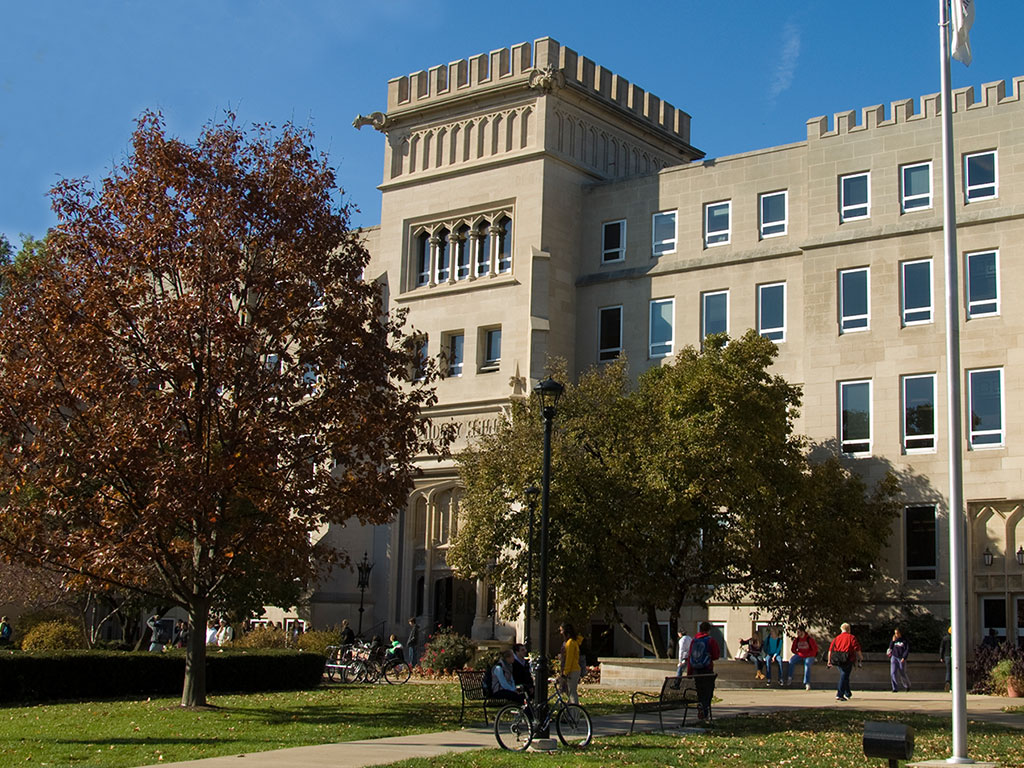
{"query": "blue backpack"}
pixel 700 653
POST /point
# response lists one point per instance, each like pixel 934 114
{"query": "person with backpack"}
pixel 844 652
pixel 704 651
pixel 6 631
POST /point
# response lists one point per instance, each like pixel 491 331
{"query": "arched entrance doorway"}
pixel 454 604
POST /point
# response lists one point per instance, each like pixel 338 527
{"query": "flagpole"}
pixel 957 549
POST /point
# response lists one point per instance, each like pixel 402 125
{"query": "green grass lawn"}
pixel 112 734
pixel 801 739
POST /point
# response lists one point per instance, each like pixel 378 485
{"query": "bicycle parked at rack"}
pixel 360 663
pixel 515 727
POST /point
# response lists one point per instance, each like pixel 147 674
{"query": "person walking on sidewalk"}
pixel 704 651
pixel 804 651
pixel 683 651
pixel 897 653
pixel 844 652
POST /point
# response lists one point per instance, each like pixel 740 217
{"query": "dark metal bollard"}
pixel 891 741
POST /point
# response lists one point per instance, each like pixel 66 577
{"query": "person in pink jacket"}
pixel 804 650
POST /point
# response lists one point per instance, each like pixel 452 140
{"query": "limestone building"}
pixel 536 204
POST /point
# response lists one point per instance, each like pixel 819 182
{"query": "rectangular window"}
pixel 717 217
pixel 916 183
pixel 854 301
pixel 919 413
pixel 854 196
pixel 714 313
pixel 663 231
pixel 422 259
pixel 662 324
pixel 462 256
pixel 980 176
pixel 419 371
pixel 855 417
pixel 982 284
pixel 483 249
pixel 771 311
pixel 774 213
pixel 443 258
pixel 921 542
pixel 985 394
pixel 613 241
pixel 492 349
pixel 455 349
pixel 609 329
pixel 504 245
pixel 917 292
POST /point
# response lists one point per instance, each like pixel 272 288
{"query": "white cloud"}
pixel 785 68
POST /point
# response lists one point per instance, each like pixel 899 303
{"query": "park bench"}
pixel 471 681
pixel 676 693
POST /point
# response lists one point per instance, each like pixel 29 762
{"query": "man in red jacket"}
pixel 700 665
pixel 804 651
pixel 844 652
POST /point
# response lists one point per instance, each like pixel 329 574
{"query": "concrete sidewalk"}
pixel 735 702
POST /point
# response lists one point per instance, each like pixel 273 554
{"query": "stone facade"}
pixel 532 193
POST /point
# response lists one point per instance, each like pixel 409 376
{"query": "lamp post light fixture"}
pixel 548 391
pixel 987 557
pixel 531 493
pixel 1020 555
pixel 364 567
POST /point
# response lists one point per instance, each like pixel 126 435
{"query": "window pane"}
pixel 483 258
pixel 664 232
pixel 610 333
pixel 982 284
pixel 916 186
pixel 612 240
pixel 455 346
pixel 854 299
pixel 716 313
pixel 921 539
pixel 855 190
pixel 919 412
pixel 661 328
pixel 717 223
pixel 917 292
pixel 981 169
pixel 492 353
pixel 773 213
pixel 856 417
pixel 772 311
pixel 986 407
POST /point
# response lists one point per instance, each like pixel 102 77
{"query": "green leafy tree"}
pixel 197 381
pixel 691 485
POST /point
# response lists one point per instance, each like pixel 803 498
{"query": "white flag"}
pixel 963 18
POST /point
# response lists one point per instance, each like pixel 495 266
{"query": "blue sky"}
pixel 74 75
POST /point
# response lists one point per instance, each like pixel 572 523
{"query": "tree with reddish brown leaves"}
pixel 195 379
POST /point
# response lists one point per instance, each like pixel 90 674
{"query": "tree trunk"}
pixel 654 630
pixel 193 693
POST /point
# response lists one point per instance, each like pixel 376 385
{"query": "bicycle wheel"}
pixel 373 671
pixel 329 671
pixel 512 729
pixel 358 671
pixel 397 672
pixel 574 726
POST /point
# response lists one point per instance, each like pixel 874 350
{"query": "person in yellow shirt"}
pixel 569 661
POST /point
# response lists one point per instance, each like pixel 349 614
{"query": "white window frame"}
pixel 487 363
pixel 612 255
pixel 607 354
pixel 972 313
pixel 704 313
pixel 454 369
pixel 665 246
pixel 845 319
pixel 908 203
pixel 767 332
pixel 910 315
pixel 766 225
pixel 718 237
pixel 908 439
pixel 971 194
pixel 974 434
pixel 871 416
pixel 846 212
pixel 661 350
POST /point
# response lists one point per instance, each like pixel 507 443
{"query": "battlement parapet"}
pixel 902 111
pixel 545 65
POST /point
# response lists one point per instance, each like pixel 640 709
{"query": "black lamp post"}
pixel 548 391
pixel 364 567
pixel 531 493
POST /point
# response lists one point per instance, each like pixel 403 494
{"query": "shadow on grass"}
pixel 145 741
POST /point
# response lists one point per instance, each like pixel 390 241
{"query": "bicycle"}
pixel 515 725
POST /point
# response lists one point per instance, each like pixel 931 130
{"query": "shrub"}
pixel 317 640
pixel 485 660
pixel 922 630
pixel 58 635
pixel 446 651
pixel 992 668
pixel 262 637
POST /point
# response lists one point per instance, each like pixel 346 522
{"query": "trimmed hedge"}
pixel 48 676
